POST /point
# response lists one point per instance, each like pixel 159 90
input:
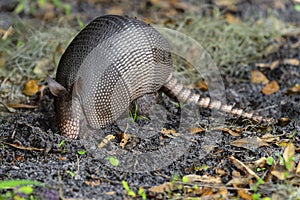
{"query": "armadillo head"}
pixel 68 109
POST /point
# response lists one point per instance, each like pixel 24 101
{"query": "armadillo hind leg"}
pixel 175 89
pixel 142 105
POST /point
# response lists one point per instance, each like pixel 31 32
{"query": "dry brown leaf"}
pixel 242 167
pixel 298 169
pixel 288 156
pixel 124 141
pixel 62 158
pixel 239 181
pixel 283 142
pixel 202 85
pixel 19 105
pixel 110 193
pixel 274 64
pixel 221 172
pixel 162 188
pixel 272 48
pixel 293 90
pixel 31 88
pixel 7 33
pixel 236 173
pixel 93 183
pixel 199 191
pixel 270 88
pixel 232 19
pixel 244 194
pixel 270 138
pixel 196 130
pixel 225 2
pixel 260 162
pixel 257 77
pixel 203 179
pixel 291 61
pixel 231 132
pixel 262 65
pixel 295 45
pixel 105 141
pixel 279 172
pixel 168 132
pixel 223 192
pixel 250 143
pixel 208 193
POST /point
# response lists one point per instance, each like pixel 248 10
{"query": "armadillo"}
pixel 110 63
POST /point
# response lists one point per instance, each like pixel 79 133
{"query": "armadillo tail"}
pixel 177 90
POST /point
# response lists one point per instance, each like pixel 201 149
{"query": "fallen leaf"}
pixel 288 156
pixel 270 88
pixel 244 194
pixel 295 45
pixel 283 142
pixel 204 179
pixel 93 183
pixel 19 105
pixel 283 121
pixel 231 132
pixel 235 173
pixel 221 172
pixel 274 64
pixel 293 90
pixel 202 85
pixel 243 167
pixel 257 77
pixel 110 193
pixel 196 130
pixel 260 162
pixel 239 181
pixel 105 141
pixel 298 169
pixel 62 158
pixel 168 132
pixel 7 33
pixel 250 143
pixel 208 192
pixel 124 141
pixel 270 138
pixel 232 19
pixel 225 2
pixel 31 88
pixel 291 61
pixel 165 187
pixel 262 65
pixel 272 48
pixel 223 192
pixel 279 172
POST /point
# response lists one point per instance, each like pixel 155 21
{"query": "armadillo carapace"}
pixel 110 63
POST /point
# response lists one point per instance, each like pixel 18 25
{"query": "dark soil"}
pixel 86 176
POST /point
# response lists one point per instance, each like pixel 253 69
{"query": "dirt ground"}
pixel 32 149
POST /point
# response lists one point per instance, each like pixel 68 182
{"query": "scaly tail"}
pixel 175 89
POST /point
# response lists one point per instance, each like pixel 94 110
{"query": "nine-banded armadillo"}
pixel 111 62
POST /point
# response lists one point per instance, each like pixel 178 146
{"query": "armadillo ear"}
pixel 55 88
